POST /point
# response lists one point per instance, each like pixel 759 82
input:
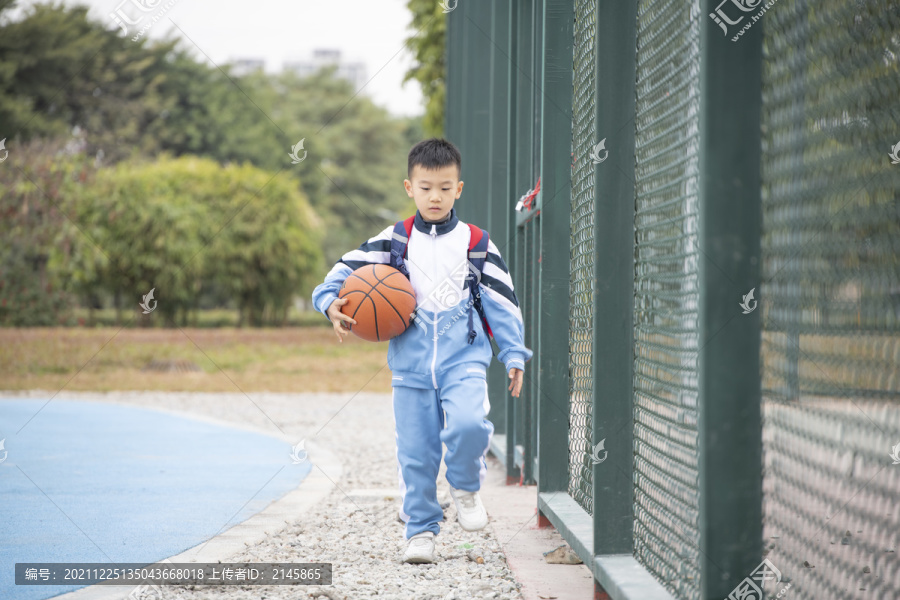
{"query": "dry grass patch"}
pixel 302 359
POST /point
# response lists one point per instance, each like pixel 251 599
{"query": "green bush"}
pixel 181 225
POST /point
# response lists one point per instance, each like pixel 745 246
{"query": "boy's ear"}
pixel 459 188
pixel 408 185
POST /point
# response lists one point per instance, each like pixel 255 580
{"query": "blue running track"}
pixel 99 482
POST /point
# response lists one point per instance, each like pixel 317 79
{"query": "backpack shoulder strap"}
pixel 399 243
pixel 478 249
pixel 408 225
pixel 478 246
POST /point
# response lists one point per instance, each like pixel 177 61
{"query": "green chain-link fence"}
pixel 831 285
pixel 680 428
pixel 582 289
pixel 666 288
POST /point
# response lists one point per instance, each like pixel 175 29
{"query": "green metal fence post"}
pixel 614 278
pixel 556 175
pixel 523 179
pixel 512 471
pixel 475 97
pixel 498 192
pixel 729 240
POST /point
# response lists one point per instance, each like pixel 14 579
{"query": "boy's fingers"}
pixel 513 383
pixel 342 317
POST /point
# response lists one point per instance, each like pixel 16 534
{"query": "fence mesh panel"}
pixel 830 297
pixel 581 302
pixel 666 495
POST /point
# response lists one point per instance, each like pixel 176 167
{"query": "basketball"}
pixel 381 299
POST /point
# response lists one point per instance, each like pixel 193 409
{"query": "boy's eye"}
pixel 446 189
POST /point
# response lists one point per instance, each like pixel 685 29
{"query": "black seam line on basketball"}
pixel 375 314
pixel 385 277
pixel 374 307
pixel 374 287
pixel 353 316
pixel 389 303
pixel 390 287
pixel 371 287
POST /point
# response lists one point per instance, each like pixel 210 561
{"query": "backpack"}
pixel 478 246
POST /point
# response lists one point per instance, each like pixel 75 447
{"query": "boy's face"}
pixel 434 190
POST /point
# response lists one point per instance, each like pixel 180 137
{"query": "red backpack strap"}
pixel 407 225
pixel 399 244
pixel 475 237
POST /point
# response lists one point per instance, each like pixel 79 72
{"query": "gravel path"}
pixel 356 526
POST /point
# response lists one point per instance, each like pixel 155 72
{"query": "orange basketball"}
pixel 381 299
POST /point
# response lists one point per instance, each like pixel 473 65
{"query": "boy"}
pixel 439 366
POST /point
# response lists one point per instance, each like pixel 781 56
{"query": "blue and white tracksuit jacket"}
pixel 438 379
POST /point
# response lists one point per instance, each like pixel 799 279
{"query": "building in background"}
pixel 245 66
pixel 354 72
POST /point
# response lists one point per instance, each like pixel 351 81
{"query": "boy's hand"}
pixel 338 318
pixel 515 381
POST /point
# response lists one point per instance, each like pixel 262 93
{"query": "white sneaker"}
pixel 420 548
pixel 469 510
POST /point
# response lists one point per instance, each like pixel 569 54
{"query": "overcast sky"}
pixel 371 32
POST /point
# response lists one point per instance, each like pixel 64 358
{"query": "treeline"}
pixel 134 165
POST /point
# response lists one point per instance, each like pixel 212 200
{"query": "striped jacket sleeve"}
pixel 501 308
pixel 375 250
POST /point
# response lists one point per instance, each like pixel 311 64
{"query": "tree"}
pixel 428 45
pixel 33 182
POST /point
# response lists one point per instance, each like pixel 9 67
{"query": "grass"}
pixel 207 318
pixel 297 359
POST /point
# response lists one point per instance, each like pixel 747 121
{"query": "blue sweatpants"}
pixel 453 414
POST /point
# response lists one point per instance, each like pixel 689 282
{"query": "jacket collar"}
pixel 443 227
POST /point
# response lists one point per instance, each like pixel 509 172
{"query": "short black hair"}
pixel 434 153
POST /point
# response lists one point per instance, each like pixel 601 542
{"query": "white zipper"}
pixel 434 315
